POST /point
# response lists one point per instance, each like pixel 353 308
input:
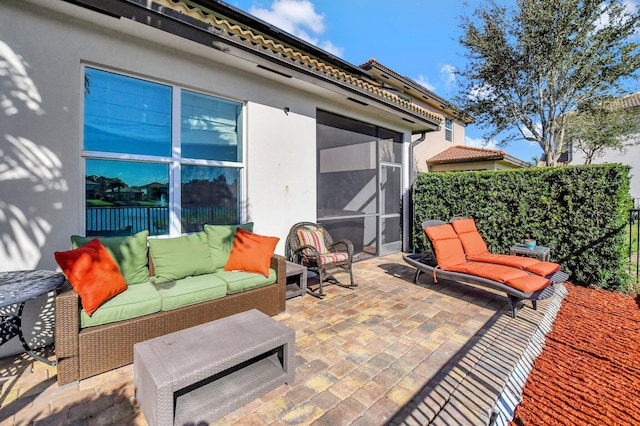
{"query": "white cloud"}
pixel 332 48
pixel 424 82
pixel 448 76
pixel 298 17
pixel 630 8
pixel 480 143
pixel 480 93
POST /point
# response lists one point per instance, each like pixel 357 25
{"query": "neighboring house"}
pixel 424 145
pixel 469 158
pixel 630 155
pixel 187 94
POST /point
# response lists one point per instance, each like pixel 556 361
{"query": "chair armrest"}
pixel 342 245
pixel 279 264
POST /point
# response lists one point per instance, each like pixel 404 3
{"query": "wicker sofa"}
pixel 83 352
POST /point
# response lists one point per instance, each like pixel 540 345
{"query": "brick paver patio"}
pixel 388 352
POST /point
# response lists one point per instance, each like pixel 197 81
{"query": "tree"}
pixel 529 67
pixel 608 127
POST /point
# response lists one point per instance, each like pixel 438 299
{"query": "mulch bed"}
pixel 589 370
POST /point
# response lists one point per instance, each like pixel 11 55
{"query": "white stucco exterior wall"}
pixel 45 202
pixel 42 178
pixel 630 156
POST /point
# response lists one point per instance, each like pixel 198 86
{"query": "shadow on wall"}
pixel 24 164
pixel 29 173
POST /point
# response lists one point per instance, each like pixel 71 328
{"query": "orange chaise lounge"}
pixel 448 261
pixel 475 249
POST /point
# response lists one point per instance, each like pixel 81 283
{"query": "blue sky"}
pixel 415 38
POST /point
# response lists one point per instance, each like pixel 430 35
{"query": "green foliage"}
pixel 580 212
pixel 528 67
pixel 605 127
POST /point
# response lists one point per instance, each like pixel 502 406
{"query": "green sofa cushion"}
pixel 191 290
pixel 181 257
pixel 220 239
pixel 129 253
pixel 239 281
pixel 138 300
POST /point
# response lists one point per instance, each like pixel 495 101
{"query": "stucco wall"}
pixel 43 186
pixel 434 143
pixel 630 157
pixel 42 52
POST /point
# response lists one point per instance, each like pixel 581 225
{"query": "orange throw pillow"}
pixel 251 252
pixel 92 273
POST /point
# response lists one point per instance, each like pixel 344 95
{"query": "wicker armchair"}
pixel 309 244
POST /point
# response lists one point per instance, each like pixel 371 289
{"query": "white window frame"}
pixel 175 161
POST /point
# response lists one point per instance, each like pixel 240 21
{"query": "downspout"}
pixel 407 219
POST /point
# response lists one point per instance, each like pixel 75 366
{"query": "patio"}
pixel 388 352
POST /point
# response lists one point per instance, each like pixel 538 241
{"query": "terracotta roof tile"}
pixel 459 153
pixel 221 24
pixel 630 101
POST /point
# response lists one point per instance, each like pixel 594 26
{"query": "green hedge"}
pixel 580 212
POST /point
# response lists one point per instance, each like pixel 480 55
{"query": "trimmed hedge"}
pixel 580 212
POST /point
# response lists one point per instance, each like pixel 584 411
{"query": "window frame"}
pixel 448 129
pixel 175 161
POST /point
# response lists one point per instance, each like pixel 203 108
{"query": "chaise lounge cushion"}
pixel 450 255
pixel 476 250
pixel 140 299
pixel 93 274
pixel 129 253
pixel 180 257
pixel 191 290
pixel 220 239
pixel 446 245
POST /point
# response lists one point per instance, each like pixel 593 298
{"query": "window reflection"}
pixel 210 127
pixel 126 115
pixel 120 194
pixel 209 195
pixel 131 162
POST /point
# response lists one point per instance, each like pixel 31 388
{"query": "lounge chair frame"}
pixel 426 262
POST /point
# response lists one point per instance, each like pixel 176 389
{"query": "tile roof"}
pixel 219 25
pixel 630 101
pixel 423 93
pixel 461 153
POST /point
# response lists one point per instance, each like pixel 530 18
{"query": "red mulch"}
pixel 589 370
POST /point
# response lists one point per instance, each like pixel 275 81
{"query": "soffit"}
pixel 202 23
pixel 415 90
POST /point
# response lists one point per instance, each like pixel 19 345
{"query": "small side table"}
pixel 539 252
pixel 296 280
pixel 16 287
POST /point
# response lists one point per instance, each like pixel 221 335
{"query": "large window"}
pixel 159 157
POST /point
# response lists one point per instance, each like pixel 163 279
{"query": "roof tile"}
pixel 459 153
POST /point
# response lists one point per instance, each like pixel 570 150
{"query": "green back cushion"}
pixel 180 257
pixel 220 238
pixel 129 253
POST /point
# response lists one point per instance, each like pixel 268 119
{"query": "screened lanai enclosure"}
pixel 359 183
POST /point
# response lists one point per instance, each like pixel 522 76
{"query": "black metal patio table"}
pixel 16 287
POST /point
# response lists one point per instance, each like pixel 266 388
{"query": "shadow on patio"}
pixel 388 352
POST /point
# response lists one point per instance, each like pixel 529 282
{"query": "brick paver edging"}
pixel 484 381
